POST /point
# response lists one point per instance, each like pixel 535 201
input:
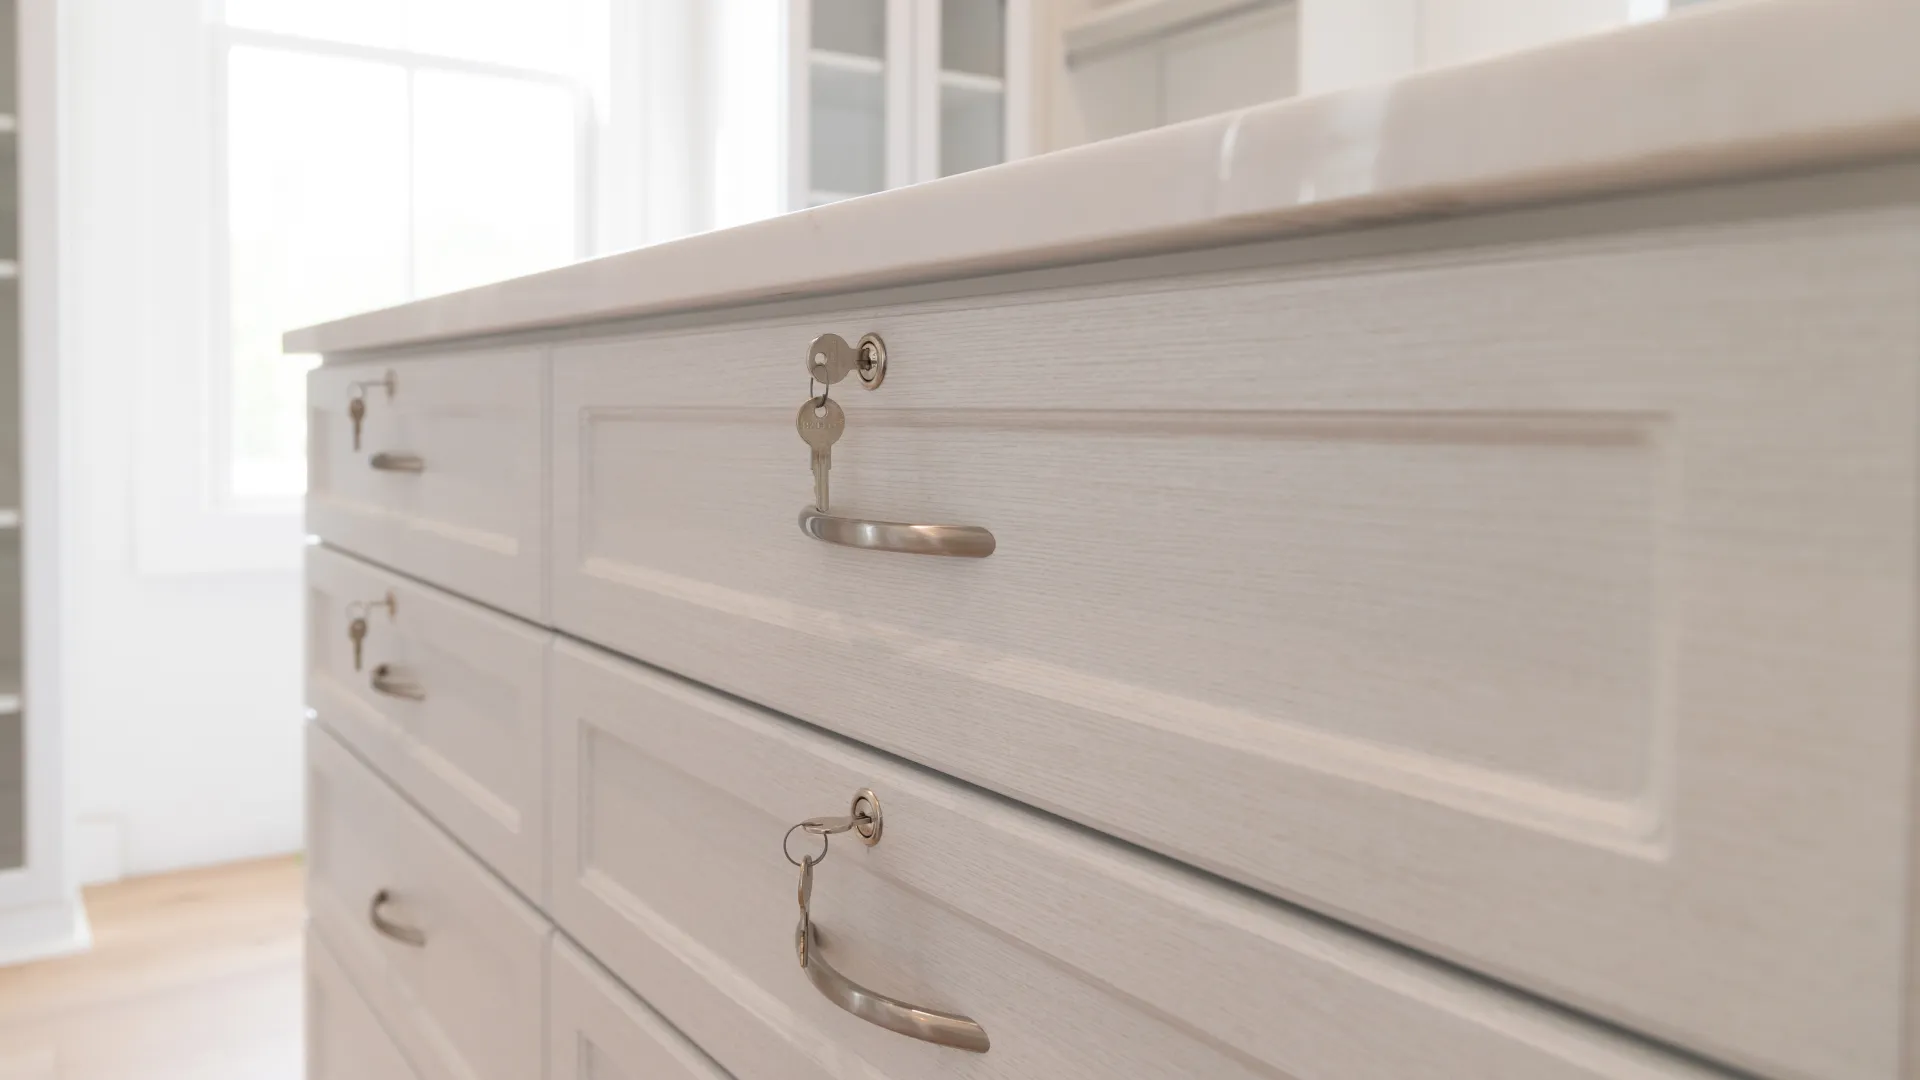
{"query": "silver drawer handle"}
pixel 405 935
pixel 913 1021
pixel 929 1025
pixel 821 422
pixel 386 680
pixel 957 541
pixel 389 461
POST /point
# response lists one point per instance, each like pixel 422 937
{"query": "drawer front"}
pixel 1078 957
pixel 446 699
pixel 1535 604
pixel 344 1039
pixel 448 480
pixel 597 1030
pixel 452 961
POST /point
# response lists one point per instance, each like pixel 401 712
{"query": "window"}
pixel 376 151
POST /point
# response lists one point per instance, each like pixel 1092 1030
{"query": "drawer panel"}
pixel 471 516
pixel 344 1039
pixel 1079 958
pixel 597 1030
pixel 1528 602
pixel 464 998
pixel 446 699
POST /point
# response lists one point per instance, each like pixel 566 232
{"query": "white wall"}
pixel 182 693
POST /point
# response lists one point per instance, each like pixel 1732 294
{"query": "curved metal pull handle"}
pixel 957 541
pixel 929 1025
pixel 405 935
pixel 392 461
pixel 386 680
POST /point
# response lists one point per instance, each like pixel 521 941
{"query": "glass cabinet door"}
pixel 972 85
pixel 892 92
pixel 846 110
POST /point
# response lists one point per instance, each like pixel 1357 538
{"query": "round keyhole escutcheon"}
pixel 871 364
pixel 866 804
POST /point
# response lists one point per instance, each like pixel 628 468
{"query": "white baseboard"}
pixel 44 931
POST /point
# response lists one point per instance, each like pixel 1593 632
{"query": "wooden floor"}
pixel 193 976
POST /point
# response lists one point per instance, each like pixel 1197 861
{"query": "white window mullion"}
pixel 218 415
pixel 440 220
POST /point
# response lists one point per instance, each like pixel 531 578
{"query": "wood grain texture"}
pixel 468 1005
pixel 597 1029
pixel 471 753
pixel 191 975
pixel 474 517
pixel 1079 957
pixel 345 1040
pixel 1546 603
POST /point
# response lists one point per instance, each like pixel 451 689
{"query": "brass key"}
pixel 357 403
pixel 357 633
pixel 830 359
pixel 820 422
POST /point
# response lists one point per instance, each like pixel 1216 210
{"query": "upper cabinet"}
pixel 1140 64
pixel 1128 65
pixel 842 98
pixel 883 93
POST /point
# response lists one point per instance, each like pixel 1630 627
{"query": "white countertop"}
pixel 1738 87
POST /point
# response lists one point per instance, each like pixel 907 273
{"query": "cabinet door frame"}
pixel 905 119
pixel 1758 676
pixel 911 97
pixel 1016 111
pixel 897 98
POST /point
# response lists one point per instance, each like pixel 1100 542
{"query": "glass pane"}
pixel 972 122
pixel 847 96
pixel 494 179
pixel 858 27
pixel 542 34
pixel 359 22
pixel 973 36
pixel 972 86
pixel 847 132
pixel 13 790
pixel 317 219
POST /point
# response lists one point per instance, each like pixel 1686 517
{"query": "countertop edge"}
pixel 1757 86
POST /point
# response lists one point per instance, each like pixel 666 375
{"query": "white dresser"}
pixel 1421 582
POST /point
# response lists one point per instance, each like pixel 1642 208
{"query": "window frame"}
pixel 188 517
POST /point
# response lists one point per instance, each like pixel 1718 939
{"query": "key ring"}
pixel 862 820
pixel 826 829
pixel 903 1017
pixel 359 609
pixel 825 843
